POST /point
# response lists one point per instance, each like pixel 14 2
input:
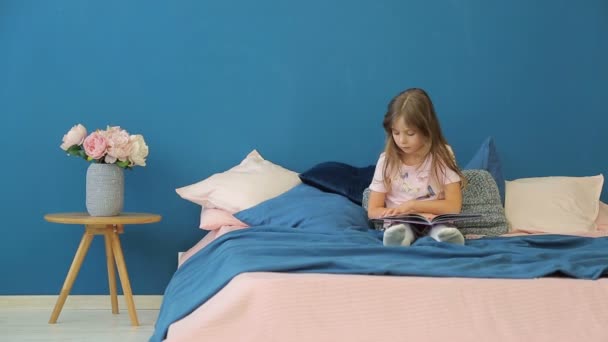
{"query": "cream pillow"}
pixel 251 182
pixel 559 205
pixel 602 218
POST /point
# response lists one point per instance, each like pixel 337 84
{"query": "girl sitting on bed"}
pixel 416 173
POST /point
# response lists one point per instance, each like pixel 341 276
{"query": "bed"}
pixel 304 264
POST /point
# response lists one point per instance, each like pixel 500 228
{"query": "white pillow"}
pixel 558 205
pixel 251 182
pixel 602 218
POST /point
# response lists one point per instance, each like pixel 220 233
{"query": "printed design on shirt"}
pixel 415 187
pixel 430 193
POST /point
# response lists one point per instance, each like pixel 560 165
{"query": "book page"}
pixel 425 218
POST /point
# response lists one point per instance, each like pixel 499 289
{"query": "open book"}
pixel 425 219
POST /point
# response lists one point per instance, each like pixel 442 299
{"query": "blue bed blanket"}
pixel 351 251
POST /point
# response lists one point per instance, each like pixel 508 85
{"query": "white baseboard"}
pixel 79 302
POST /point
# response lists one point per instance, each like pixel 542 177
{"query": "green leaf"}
pixel 74 150
pixel 123 164
pixel 74 147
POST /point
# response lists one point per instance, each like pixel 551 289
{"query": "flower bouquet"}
pixel 109 151
pixel 111 146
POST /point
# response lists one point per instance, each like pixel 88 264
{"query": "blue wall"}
pixel 302 81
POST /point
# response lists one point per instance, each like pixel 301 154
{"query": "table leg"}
pixel 111 270
pixel 124 277
pixel 72 274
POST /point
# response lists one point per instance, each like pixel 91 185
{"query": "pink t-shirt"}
pixel 411 182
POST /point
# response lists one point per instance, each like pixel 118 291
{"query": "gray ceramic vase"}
pixel 105 189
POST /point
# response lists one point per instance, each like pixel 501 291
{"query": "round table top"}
pixel 85 218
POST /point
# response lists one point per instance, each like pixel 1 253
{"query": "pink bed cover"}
pixel 324 307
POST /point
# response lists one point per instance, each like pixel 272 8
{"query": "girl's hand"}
pixel 389 212
pixel 405 208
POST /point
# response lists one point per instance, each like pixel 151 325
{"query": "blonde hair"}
pixel 414 106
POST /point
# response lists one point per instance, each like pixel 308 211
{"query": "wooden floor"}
pixel 83 318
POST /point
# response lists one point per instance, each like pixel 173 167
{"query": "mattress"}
pixel 268 306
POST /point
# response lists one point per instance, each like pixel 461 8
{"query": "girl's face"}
pixel 408 139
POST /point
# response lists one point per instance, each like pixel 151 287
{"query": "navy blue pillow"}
pixel 340 178
pixel 487 159
pixel 305 206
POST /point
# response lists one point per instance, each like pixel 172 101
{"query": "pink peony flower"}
pixel 95 145
pixel 119 146
pixel 75 136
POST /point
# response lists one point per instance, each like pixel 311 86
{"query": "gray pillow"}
pixel 364 201
pixel 480 196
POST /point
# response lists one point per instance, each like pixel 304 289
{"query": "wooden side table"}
pixel 110 227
